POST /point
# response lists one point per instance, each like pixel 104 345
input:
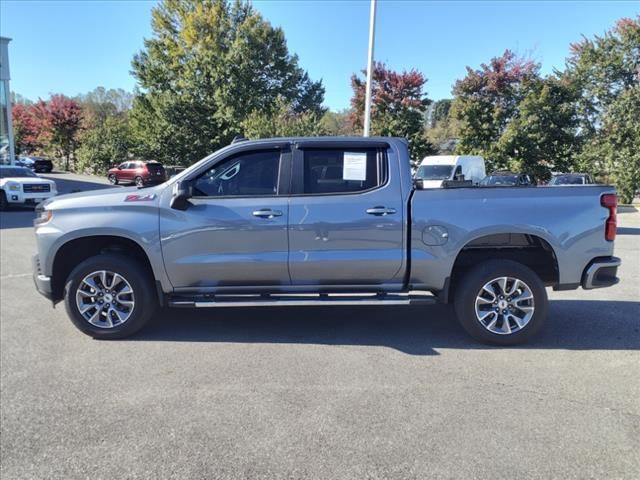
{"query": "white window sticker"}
pixel 355 166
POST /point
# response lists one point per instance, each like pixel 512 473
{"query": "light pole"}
pixel 372 33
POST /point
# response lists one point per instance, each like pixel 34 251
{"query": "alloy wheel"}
pixel 105 299
pixel 504 305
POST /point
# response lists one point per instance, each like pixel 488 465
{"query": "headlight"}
pixel 14 187
pixel 42 216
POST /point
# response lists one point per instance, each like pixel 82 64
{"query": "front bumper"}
pixel 601 272
pixel 28 198
pixel 42 282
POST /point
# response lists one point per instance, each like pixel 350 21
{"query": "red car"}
pixel 138 172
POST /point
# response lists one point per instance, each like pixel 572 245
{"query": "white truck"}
pixel 20 186
pixel 434 170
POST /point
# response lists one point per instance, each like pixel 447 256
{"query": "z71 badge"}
pixel 140 198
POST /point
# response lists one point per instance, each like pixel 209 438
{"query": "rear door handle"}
pixel 267 213
pixel 381 211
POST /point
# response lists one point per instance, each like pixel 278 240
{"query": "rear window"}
pixel 155 167
pixel 434 172
pixel 567 180
pixel 341 170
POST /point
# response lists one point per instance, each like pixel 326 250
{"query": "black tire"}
pixel 113 180
pixel 139 181
pixel 4 205
pixel 145 305
pixel 470 287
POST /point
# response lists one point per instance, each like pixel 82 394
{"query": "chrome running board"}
pixel 303 300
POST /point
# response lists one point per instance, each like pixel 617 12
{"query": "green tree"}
pixel 103 144
pixel 284 121
pixel 398 104
pixel 606 70
pixel 101 103
pixel 338 123
pixel 542 135
pixel 210 65
pixel 439 112
pixel 486 101
pixel 614 150
pixel 442 128
pixel 605 67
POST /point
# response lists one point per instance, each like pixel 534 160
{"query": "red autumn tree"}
pixel 398 104
pixel 63 117
pixel 27 128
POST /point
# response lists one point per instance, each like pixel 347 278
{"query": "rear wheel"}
pixel 501 302
pixel 139 182
pixel 109 296
pixel 113 180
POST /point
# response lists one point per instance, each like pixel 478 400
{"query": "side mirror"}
pixel 182 192
pixel 418 183
pixel 459 177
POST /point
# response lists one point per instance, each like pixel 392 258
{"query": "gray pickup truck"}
pixel 321 221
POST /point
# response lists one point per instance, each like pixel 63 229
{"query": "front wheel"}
pixel 501 302
pixel 109 296
pixel 113 180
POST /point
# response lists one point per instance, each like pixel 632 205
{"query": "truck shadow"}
pixel 572 325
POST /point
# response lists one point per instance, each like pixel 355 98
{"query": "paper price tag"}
pixel 355 166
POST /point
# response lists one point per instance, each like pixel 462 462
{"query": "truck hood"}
pixel 27 180
pixel 106 197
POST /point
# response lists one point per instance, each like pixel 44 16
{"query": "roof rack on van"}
pixel 238 139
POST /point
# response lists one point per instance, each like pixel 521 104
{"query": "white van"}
pixel 435 169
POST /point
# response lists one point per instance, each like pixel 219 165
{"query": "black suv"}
pixel 37 164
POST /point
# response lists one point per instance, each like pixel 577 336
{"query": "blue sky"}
pixel 71 47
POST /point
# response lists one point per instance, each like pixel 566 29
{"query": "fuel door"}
pixel 434 235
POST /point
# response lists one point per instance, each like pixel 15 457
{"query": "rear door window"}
pixel 327 171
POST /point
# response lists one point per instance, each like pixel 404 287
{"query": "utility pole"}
pixel 372 33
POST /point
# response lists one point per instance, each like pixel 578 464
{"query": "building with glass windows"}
pixel 7 151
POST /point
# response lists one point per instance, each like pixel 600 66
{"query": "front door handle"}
pixel 267 213
pixel 381 211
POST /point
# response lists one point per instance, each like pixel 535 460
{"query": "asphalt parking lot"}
pixel 346 392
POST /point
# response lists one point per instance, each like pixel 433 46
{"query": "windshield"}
pixel 16 172
pixel 567 180
pixel 499 180
pixel 434 172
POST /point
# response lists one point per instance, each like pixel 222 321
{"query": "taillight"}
pixel 610 201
